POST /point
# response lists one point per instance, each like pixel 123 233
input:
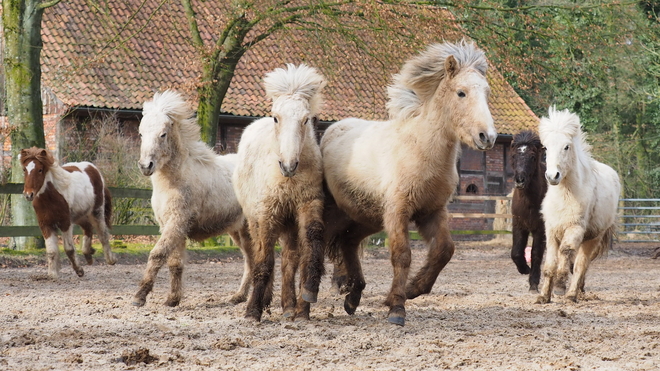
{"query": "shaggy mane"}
pixel 296 80
pixel 526 138
pixel 564 122
pixel 35 153
pixel 420 76
pixel 172 104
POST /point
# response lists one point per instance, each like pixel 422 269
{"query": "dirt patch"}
pixel 479 316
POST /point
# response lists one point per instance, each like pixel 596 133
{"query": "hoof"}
pixel 308 296
pixel 350 309
pixel 80 272
pixel 572 298
pixel 351 302
pixel 400 321
pixel 172 302
pixel 111 261
pixel 139 302
pixel 253 316
pixel 289 314
pixel 542 300
pixel 89 259
pixel 237 299
pixel 397 315
pixel 534 288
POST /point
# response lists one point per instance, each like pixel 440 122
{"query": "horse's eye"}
pixel 275 119
pixel 461 94
pixel 566 148
pixel 163 135
pixel 41 170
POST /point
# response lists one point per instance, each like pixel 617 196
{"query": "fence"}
pixel 637 220
pixel 137 230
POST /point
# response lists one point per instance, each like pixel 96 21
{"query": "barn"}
pixel 87 72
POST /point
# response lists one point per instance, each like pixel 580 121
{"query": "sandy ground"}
pixel 479 316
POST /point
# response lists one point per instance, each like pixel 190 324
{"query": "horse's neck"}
pixel 577 182
pixel 60 178
pixel 434 135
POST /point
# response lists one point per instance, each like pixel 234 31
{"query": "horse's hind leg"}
pixel 104 236
pixel 87 249
pixel 168 242
pixel 396 225
pixel 175 263
pixel 435 231
pixel 520 237
pixel 538 249
pixel 69 248
pixel 244 241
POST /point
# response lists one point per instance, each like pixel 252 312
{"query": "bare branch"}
pixel 192 23
pixel 48 4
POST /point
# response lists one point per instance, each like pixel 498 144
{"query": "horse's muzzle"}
pixel 148 169
pixel 28 196
pixel 485 141
pixel 288 171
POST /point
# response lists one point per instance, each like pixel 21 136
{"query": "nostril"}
pixel 295 166
pixel 483 137
pixel 557 176
pixel 151 165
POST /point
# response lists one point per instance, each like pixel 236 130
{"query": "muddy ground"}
pixel 480 315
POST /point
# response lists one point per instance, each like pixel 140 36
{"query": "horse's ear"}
pixel 22 154
pixel 315 120
pixel 451 66
pixel 43 153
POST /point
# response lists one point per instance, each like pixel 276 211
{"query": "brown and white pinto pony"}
pixel 385 175
pixel 530 188
pixel 74 193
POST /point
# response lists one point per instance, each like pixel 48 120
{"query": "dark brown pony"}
pixel 530 188
pixel 62 196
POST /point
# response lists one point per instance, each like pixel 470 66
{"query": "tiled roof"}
pixel 84 66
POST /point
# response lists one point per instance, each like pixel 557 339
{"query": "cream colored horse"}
pixel 192 194
pixel 384 175
pixel 278 182
pixel 580 207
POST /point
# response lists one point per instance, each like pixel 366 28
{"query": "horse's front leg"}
pixel 538 249
pixel 520 237
pixel 244 241
pixel 396 225
pixel 311 230
pixel 173 238
pixel 549 269
pixel 52 252
pixel 264 237
pixel 435 231
pixel 570 243
pixel 290 261
pixel 70 249
pixel 585 254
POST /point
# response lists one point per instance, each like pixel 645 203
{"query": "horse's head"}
pixel 563 140
pixel 296 95
pixel 527 153
pixel 35 162
pixel 465 94
pixel 158 134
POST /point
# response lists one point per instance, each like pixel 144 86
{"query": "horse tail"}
pixel 107 207
pixel 606 242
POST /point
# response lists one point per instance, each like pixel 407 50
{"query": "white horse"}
pixel 384 175
pixel 279 183
pixel 192 197
pixel 580 207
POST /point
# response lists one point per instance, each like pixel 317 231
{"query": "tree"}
pixel 21 24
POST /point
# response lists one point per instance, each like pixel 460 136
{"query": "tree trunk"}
pixel 22 38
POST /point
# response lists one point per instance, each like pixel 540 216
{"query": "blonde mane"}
pixel 299 80
pixel 420 76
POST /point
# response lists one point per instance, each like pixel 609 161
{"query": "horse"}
pixel 580 207
pixel 384 175
pixel 74 193
pixel 279 183
pixel 530 188
pixel 192 197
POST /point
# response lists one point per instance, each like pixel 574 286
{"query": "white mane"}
pixel 299 80
pixel 420 75
pixel 564 122
pixel 171 104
